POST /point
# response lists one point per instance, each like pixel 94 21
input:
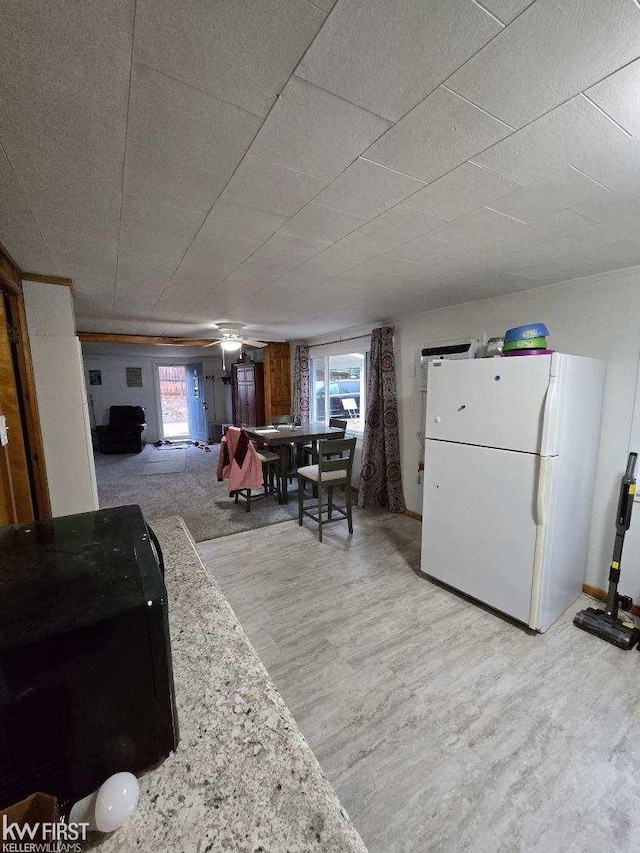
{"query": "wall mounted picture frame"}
pixel 134 377
pixel 95 377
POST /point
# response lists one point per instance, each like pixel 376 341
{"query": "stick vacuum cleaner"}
pixel 605 623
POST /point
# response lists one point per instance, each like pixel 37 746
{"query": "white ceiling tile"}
pixel 72 251
pixel 322 223
pixel 291 249
pixel 483 225
pixel 390 268
pixel 572 131
pixel 242 52
pixel 619 96
pixel 238 220
pixel 606 233
pixel 617 206
pixel 367 189
pixel 421 250
pixel 461 191
pixel 84 47
pixel 443 131
pixel 506 10
pixel 215 255
pixel 357 248
pixel 399 224
pixel 66 151
pixel 156 228
pixel 386 56
pixel 316 132
pixel 275 189
pixel 618 167
pixel 552 51
pixel 541 199
pixel 325 5
pixel 142 278
pixel 19 231
pixel 327 265
pixel 561 224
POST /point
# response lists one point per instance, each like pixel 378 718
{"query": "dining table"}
pixel 280 437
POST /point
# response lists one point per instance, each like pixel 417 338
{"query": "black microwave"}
pixel 86 679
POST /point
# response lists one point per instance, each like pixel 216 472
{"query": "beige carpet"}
pixel 190 491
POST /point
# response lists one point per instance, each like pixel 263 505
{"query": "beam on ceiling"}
pixel 156 340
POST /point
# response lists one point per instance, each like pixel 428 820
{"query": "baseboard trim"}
pixel 601 595
pixel 413 514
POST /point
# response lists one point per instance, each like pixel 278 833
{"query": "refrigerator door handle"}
pixel 542 507
pixel 549 418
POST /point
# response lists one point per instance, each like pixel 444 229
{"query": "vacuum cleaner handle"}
pixel 627 492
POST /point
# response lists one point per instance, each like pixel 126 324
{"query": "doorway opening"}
pixel 173 400
pixel 182 401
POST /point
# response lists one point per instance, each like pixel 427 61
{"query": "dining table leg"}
pixel 284 491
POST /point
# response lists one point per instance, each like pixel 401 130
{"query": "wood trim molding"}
pixel 49 279
pixel 601 595
pixel 30 405
pixel 10 276
pixel 413 514
pixel 156 340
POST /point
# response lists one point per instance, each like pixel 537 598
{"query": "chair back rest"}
pixel 331 447
pixel 125 416
pixel 338 423
pixel 281 419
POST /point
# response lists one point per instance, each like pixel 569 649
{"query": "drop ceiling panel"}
pixel 443 131
pixel 313 131
pixel 619 96
pixel 617 168
pixel 464 189
pixel 84 47
pixel 238 220
pixel 274 189
pixel 66 151
pixel 618 206
pixel 18 229
pixel 327 265
pixel 357 248
pixel 240 52
pixel 548 54
pixel 386 56
pixel 141 279
pixel 422 250
pixel 290 249
pixel 399 224
pixel 506 10
pixel 564 189
pixel 572 131
pixel 147 228
pixel 182 145
pixel 367 189
pixel 322 223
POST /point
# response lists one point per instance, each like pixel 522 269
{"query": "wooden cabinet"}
pixel 247 390
pixel 277 380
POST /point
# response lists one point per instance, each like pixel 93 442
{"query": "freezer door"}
pixel 491 402
pixel 479 523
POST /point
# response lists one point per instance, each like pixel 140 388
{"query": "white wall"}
pixel 113 359
pixel 61 398
pixel 598 317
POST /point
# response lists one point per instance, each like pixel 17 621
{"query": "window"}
pixel 345 377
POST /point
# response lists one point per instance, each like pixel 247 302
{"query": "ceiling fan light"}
pixel 230 345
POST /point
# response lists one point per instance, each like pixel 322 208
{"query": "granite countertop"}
pixel 243 778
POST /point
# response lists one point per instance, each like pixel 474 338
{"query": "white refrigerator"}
pixel 511 446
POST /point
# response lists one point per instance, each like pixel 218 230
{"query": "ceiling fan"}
pixel 232 339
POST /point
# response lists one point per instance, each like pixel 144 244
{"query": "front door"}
pixel 196 403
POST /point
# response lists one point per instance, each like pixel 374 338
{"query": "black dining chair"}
pixel 327 474
pixel 335 423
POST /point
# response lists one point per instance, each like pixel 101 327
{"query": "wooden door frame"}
pixel 11 283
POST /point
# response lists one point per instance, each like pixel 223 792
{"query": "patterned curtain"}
pixel 300 405
pixel 380 480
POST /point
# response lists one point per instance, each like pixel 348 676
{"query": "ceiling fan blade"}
pixel 255 344
pixel 212 344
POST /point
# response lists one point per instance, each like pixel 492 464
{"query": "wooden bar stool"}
pixel 327 474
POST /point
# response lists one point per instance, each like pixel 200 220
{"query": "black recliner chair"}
pixel 123 433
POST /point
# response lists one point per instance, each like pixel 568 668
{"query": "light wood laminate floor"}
pixel 441 726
